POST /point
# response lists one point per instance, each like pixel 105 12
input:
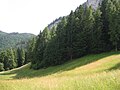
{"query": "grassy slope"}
pixel 92 72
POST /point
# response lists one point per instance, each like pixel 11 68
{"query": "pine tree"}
pixel 2 55
pixel 55 52
pixel 97 44
pixel 15 56
pixel 88 23
pixel 11 59
pixel 26 58
pixel 79 44
pixel 6 62
pixel 20 57
pixel 70 29
pixel 61 41
pixel 50 50
pixel 30 49
pixel 23 56
pixel 40 47
pixel 114 23
pixel 105 28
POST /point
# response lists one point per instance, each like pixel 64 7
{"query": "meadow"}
pixel 92 72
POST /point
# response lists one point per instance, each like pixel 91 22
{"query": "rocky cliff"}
pixel 93 3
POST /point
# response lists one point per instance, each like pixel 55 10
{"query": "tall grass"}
pixel 93 72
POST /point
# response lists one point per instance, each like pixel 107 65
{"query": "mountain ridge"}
pixel 94 3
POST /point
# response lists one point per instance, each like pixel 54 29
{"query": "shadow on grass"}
pixel 117 66
pixel 29 73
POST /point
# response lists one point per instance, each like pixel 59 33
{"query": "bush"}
pixel 1 67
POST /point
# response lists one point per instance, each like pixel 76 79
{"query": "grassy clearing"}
pixel 92 72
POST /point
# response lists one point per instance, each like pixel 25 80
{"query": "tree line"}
pixel 85 31
pixel 12 58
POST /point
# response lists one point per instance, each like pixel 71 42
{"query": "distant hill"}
pixel 14 39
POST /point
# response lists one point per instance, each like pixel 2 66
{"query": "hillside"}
pixel 54 23
pixel 94 3
pixel 8 40
pixel 92 72
pixel 84 31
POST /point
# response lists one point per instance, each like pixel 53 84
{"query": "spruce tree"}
pixel 88 23
pixel 20 57
pixel 97 44
pixel 105 28
pixel 79 44
pixel 11 59
pixel 70 28
pixel 41 43
pixel 114 23
pixel 30 49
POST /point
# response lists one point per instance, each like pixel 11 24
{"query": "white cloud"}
pixel 33 15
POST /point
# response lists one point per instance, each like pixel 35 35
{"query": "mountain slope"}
pixel 94 3
pixel 54 23
pixel 8 40
pixel 93 72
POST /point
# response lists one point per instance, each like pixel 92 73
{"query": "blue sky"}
pixel 31 16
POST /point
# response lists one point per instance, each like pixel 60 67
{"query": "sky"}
pixel 31 16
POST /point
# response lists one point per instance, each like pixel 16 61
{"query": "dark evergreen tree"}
pixel 70 30
pixel 20 57
pixel 61 42
pixel 6 61
pixel 55 52
pixel 79 44
pixel 2 55
pixel 30 49
pixel 40 47
pixel 10 59
pixel 105 28
pixel 15 57
pixel 114 23
pixel 88 23
pixel 97 44
pixel 26 58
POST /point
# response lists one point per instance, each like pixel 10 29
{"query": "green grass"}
pixel 92 72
